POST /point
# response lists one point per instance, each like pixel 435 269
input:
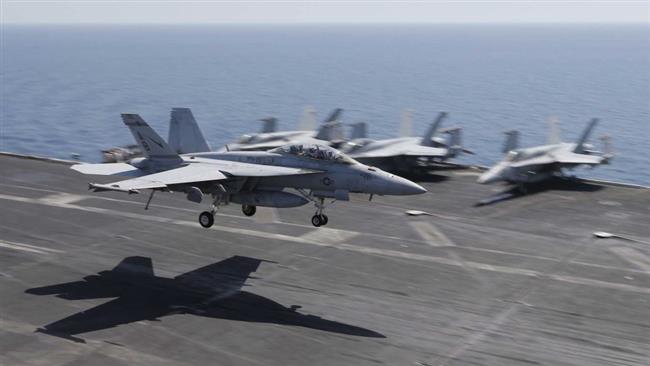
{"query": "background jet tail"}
pixel 359 131
pixel 580 145
pixel 428 136
pixel 454 146
pixel 334 116
pixel 140 266
pixel 152 145
pixel 512 141
pixel 332 129
pixel 185 136
pixel 269 125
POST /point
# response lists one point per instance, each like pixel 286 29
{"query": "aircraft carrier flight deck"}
pixel 515 281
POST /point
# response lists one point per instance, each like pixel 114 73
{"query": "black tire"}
pixel 316 221
pixel 206 219
pixel 248 210
pixel 324 219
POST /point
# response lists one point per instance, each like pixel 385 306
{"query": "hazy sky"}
pixel 324 11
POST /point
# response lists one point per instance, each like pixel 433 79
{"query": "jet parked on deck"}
pixel 406 154
pixel 535 164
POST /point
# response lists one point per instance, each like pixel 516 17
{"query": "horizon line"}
pixel 647 23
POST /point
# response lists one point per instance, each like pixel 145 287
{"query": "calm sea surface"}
pixel 63 88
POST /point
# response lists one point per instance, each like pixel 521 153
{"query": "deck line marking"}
pixel 633 256
pixel 431 234
pixel 350 247
pixel 27 248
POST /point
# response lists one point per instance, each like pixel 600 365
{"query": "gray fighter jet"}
pixel 405 154
pixel 329 133
pixel 535 164
pixel 213 291
pixel 250 178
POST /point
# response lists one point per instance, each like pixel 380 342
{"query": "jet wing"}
pixel 412 151
pixel 239 169
pixel 187 174
pixel 122 310
pixel 559 158
pixel 573 158
pixel 225 277
pixel 540 160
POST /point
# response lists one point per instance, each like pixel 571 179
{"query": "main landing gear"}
pixel 206 218
pixel 319 220
pixel 248 210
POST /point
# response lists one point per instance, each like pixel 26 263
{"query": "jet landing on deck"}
pixel 213 291
pixel 250 178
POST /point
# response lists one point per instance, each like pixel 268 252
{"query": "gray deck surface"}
pixel 518 282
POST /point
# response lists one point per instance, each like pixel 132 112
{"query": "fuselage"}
pixel 325 175
pixel 523 166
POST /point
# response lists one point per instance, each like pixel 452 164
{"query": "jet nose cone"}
pixel 491 176
pixel 406 187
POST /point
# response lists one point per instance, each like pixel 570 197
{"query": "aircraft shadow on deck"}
pixel 553 184
pixel 212 291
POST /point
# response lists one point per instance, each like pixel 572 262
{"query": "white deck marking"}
pixel 63 198
pixel 343 246
pixel 266 215
pixel 633 256
pixel 27 248
pixel 430 234
pixel 327 235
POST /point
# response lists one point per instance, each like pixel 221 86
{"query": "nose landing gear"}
pixel 319 219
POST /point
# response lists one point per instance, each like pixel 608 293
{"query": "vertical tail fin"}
pixel 553 131
pixel 454 146
pixel 332 129
pixel 359 131
pixel 406 123
pixel 269 124
pixel 308 120
pixel 334 116
pixel 426 139
pixel 579 149
pixel 512 141
pixel 185 136
pixel 141 266
pixel 152 145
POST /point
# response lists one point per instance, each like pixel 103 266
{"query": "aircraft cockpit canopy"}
pixel 316 152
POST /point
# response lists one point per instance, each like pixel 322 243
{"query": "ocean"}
pixel 63 87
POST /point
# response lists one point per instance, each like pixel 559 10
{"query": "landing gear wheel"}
pixel 206 219
pixel 316 220
pixel 248 210
pixel 323 219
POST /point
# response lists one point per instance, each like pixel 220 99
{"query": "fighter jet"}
pixel 535 164
pixel 212 291
pixel 250 178
pixel 329 133
pixel 405 154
